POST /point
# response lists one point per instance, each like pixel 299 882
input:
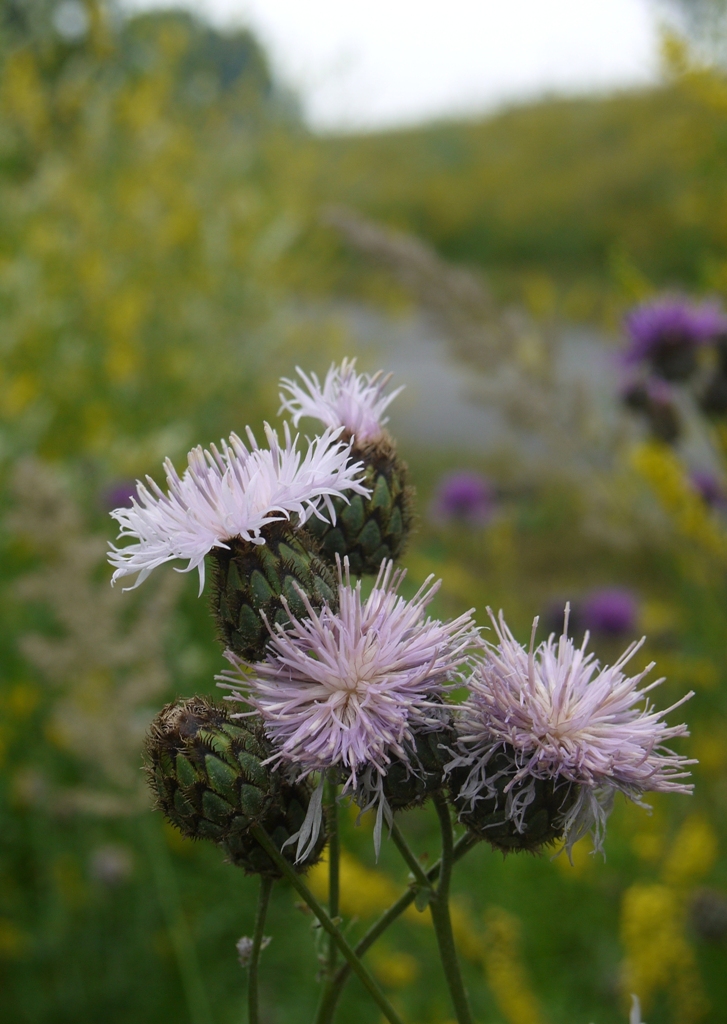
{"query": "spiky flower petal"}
pixel 555 714
pixel 349 689
pixel 231 492
pixel 354 401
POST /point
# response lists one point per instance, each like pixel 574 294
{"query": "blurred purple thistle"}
pixel 710 488
pixel 667 331
pixel 612 611
pixel 118 495
pixel 464 496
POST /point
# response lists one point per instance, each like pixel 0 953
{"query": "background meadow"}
pixel 173 240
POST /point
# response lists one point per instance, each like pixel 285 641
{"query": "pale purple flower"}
pixel 559 715
pixel 346 689
pixel 612 611
pixel 463 496
pixel 354 401
pixel 231 492
pixel 667 330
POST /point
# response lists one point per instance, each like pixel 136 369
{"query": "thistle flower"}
pixel 348 690
pixel 354 401
pixel 554 715
pixel 232 492
pixel 374 529
pixel 666 333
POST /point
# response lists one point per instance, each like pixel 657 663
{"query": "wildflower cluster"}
pixel 335 694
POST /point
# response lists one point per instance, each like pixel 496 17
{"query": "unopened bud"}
pixel 368 530
pixel 210 780
pixel 248 581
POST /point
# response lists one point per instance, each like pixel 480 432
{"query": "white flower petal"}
pixel 354 401
pixel 230 492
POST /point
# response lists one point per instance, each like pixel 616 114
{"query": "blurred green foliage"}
pixel 160 254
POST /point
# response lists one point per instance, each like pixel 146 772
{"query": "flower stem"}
pixel 333 993
pixel 334 858
pixel 412 863
pixel 266 885
pixel 327 924
pixel 439 908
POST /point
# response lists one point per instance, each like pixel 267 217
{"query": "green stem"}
pixel 325 1013
pixel 334 859
pixel 184 952
pixel 413 864
pixel 334 879
pixel 266 885
pixel 327 924
pixel 439 908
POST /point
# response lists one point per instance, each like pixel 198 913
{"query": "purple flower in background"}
pixel 119 495
pixel 710 488
pixel 558 715
pixel 667 332
pixel 613 611
pixel 464 496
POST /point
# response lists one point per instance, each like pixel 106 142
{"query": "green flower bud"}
pixel 543 819
pixel 369 530
pixel 248 581
pixel 209 779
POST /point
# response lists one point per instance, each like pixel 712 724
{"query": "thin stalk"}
pixel 327 924
pixel 334 879
pixel 328 1006
pixel 439 908
pixel 413 864
pixel 185 953
pixel 266 885
pixel 334 859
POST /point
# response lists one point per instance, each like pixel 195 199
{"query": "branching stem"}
pixel 328 1007
pixel 363 973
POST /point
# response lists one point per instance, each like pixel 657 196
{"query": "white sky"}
pixel 392 62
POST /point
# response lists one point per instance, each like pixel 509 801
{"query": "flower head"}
pixel 354 401
pixel 558 715
pixel 667 329
pixel 346 690
pixel 231 492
